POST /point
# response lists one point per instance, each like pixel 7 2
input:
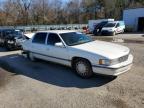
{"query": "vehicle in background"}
pixel 29 35
pixel 113 28
pixel 93 23
pixel 85 30
pixel 80 52
pixel 11 38
pixel 98 27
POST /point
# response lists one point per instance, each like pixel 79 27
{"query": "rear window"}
pixel 40 38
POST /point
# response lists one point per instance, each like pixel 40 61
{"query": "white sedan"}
pixel 78 51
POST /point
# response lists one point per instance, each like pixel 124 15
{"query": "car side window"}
pixel 39 38
pixel 52 39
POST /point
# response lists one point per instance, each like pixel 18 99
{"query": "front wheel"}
pixel 114 33
pixel 83 68
pixel 9 47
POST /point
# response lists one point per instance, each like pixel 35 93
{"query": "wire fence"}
pixel 32 28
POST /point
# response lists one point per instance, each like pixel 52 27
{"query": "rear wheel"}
pixel 31 57
pixel 7 46
pixel 83 68
pixel 95 32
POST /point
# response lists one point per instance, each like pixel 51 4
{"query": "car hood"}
pixel 29 35
pixel 105 49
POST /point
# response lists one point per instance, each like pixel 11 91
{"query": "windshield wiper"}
pixel 80 43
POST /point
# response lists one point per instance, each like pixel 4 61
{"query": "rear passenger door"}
pixel 38 44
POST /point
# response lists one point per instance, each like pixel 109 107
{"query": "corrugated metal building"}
pixel 134 19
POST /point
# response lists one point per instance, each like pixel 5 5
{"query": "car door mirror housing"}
pixel 59 44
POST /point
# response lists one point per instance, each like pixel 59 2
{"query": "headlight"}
pixel 104 62
pixel 108 62
pixel 10 41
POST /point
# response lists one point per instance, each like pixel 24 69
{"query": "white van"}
pixel 113 28
pixel 93 23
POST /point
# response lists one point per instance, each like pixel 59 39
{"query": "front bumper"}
pixel 115 70
pixel 14 45
pixel 106 32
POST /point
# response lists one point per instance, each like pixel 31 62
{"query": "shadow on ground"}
pixel 50 73
pixel 3 49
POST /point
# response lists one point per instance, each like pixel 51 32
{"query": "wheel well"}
pixel 74 59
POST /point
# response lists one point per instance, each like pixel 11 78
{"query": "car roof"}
pixel 57 31
pixel 116 22
pixel 113 22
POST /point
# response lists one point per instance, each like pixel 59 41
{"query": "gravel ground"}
pixel 126 91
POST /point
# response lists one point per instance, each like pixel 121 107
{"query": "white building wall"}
pixel 130 17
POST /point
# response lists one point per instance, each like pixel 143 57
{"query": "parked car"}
pixel 80 52
pixel 98 27
pixel 11 38
pixel 85 30
pixel 113 28
pixel 93 23
pixel 28 35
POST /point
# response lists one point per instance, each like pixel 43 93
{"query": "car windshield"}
pixel 13 33
pixel 18 33
pixel 75 38
pixel 102 24
pixel 110 25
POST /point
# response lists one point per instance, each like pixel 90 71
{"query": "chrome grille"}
pixel 123 58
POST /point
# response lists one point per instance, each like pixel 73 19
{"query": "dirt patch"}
pixel 119 40
pixel 22 91
pixel 4 77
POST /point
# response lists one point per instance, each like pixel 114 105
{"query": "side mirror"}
pixel 59 44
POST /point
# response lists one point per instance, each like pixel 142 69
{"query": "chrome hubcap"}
pixel 81 68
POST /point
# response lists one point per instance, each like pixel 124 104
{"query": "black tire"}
pixel 86 72
pixel 114 33
pixel 95 32
pixel 0 42
pixel 9 47
pixel 4 44
pixel 122 31
pixel 31 57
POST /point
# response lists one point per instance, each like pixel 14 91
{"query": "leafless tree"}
pixel 24 12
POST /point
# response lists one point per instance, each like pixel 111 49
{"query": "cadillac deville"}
pixel 80 52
